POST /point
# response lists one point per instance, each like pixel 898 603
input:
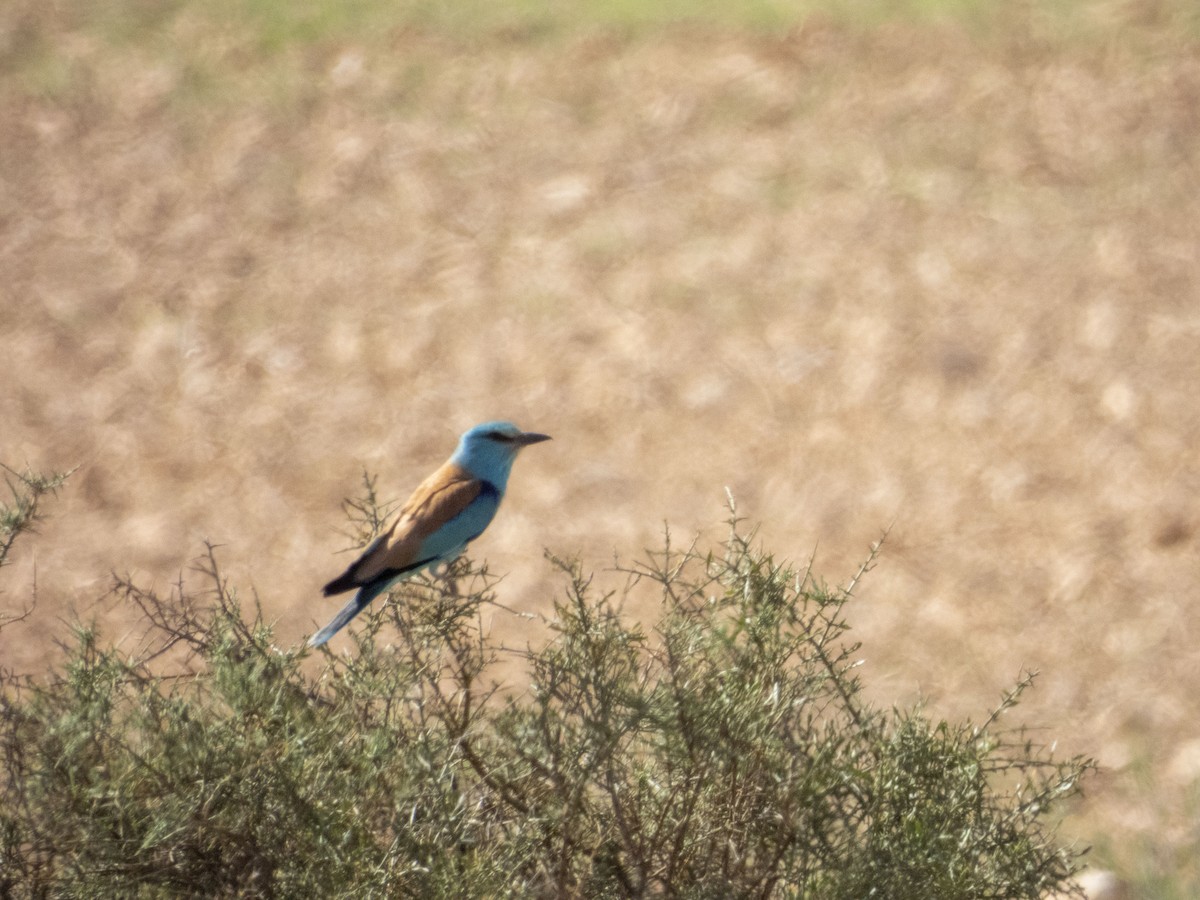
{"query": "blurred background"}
pixel 925 266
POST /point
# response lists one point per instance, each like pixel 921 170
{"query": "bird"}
pixel 447 511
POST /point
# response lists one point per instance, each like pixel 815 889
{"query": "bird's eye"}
pixel 500 436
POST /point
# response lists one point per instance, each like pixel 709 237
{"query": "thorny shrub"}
pixel 726 752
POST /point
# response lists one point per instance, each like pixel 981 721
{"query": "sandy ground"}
pixel 926 278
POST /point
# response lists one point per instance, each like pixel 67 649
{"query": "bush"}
pixel 727 753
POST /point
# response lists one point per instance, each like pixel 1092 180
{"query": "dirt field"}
pixel 919 276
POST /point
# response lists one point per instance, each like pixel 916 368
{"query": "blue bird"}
pixel 446 512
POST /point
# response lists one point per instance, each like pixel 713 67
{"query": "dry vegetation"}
pixel 923 276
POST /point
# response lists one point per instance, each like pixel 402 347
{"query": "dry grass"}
pixel 917 275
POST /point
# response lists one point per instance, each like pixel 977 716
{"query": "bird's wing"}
pixel 439 499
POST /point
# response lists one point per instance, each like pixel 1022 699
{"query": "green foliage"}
pixel 728 752
pixel 19 515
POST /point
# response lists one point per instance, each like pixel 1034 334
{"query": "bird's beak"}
pixel 529 437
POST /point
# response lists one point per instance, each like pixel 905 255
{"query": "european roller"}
pixel 446 512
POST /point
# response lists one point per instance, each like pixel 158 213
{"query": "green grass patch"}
pixel 274 27
pixel 227 53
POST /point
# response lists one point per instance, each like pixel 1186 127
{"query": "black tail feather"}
pixel 342 583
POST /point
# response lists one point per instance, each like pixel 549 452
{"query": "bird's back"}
pixel 449 508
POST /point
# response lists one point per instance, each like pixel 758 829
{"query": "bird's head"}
pixel 487 451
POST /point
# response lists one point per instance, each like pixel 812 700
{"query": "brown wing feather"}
pixel 437 500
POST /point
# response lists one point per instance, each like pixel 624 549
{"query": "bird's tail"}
pixel 357 604
pixel 366 592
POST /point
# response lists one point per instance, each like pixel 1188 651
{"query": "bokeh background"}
pixel 929 268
